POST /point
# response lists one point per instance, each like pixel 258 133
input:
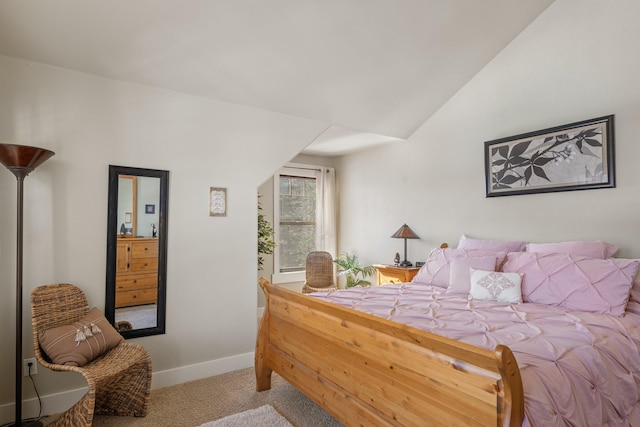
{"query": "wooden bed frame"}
pixel 366 370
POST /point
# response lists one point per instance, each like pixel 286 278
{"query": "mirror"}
pixel 137 250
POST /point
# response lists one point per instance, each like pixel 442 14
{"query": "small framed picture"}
pixel 217 201
pixel 149 209
pixel 127 218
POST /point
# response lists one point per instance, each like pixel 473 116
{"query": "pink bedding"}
pixel 578 369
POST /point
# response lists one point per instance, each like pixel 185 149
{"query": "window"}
pixel 297 222
pixel 303 216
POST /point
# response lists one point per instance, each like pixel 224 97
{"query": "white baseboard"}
pixel 60 402
pixel 201 370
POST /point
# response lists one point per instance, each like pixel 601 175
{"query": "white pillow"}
pixel 496 286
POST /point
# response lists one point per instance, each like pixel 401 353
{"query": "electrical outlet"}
pixel 25 366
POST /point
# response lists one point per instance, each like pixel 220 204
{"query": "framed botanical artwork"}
pixel 217 201
pixel 577 156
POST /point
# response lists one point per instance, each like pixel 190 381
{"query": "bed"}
pixel 419 354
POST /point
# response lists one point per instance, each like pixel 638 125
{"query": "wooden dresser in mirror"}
pixel 136 271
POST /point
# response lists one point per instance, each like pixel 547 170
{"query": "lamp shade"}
pixel 22 159
pixel 405 232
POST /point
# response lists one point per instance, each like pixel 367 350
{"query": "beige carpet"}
pixel 194 403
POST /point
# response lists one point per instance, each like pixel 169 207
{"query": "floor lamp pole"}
pixel 20 160
pixel 18 417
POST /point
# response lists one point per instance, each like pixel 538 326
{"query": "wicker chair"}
pixel 319 272
pixel 119 380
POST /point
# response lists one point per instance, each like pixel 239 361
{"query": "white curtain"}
pixel 326 214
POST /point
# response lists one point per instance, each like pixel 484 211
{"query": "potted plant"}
pixel 349 266
pixel 266 244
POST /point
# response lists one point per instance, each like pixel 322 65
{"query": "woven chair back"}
pixel 57 305
pixel 320 270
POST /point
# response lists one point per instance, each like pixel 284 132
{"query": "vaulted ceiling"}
pixel 372 70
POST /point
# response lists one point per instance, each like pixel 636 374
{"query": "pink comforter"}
pixel 578 369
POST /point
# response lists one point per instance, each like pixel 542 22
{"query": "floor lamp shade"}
pixel 20 160
pixel 405 232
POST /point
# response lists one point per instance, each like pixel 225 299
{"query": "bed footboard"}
pixel 366 370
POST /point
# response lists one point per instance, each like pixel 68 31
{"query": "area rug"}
pixel 265 416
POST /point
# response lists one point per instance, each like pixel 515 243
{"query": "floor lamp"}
pixel 20 160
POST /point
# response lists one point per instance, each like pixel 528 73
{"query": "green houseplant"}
pixel 266 244
pixel 349 266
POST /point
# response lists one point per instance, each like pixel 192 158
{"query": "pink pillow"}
pixel 437 269
pixel 490 245
pixel 575 282
pixel 460 272
pixel 633 305
pixel 595 249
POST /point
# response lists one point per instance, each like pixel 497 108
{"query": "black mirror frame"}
pixel 112 234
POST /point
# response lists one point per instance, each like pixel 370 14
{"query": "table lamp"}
pixel 405 232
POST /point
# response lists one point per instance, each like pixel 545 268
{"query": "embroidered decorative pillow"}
pixel 595 249
pixel 490 245
pixel 575 282
pixel 460 272
pixel 495 286
pixel 437 269
pixel 80 342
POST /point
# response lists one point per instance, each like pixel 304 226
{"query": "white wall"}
pixel 577 61
pixel 92 122
pixel 148 190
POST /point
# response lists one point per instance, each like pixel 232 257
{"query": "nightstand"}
pixel 390 274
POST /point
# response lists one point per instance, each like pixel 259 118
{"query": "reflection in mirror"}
pixel 136 250
pixel 127 192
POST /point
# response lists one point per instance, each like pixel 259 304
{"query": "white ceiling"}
pixel 372 70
